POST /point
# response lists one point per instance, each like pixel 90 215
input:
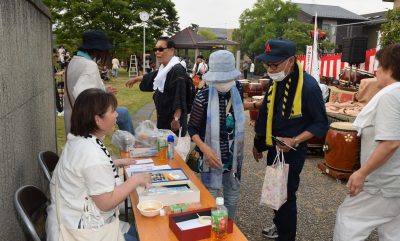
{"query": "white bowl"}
pixel 150 208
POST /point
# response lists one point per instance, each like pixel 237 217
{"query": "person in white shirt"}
pixel 115 67
pixel 252 70
pixel 374 189
pixel 200 67
pixel 83 73
pixel 61 56
pixel 86 175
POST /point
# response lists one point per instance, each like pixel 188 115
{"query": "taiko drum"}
pixel 245 85
pixel 342 147
pixel 254 113
pixel 345 74
pixel 264 84
pixel 255 89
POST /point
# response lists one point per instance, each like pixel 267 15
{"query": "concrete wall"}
pixel 27 106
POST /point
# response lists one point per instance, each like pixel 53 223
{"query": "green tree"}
pixel 118 18
pixel 391 28
pixel 270 19
pixel 207 34
pixel 194 27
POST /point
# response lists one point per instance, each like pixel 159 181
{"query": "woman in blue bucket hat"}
pixel 216 125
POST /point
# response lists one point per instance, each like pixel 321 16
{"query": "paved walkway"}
pixel 144 113
pixel 318 196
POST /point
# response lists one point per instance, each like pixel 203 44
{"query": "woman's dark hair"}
pixel 98 54
pixel 90 103
pixel 389 59
pixel 169 41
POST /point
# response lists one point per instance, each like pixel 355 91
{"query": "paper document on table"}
pixel 145 168
pixel 161 167
pixel 139 168
pixel 143 161
pixel 190 224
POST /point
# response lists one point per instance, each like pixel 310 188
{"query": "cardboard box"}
pixel 340 96
pixel 143 152
pixel 196 233
pixel 169 192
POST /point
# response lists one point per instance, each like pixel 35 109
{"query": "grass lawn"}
pixel 132 98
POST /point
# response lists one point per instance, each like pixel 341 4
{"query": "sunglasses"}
pixel 273 66
pixel 160 49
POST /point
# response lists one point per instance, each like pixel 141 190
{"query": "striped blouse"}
pixel 198 118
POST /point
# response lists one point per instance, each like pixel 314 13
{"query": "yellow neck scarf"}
pixel 296 107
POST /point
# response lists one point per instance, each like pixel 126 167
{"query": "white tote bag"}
pixel 104 232
pixel 274 190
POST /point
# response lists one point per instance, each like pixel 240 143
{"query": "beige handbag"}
pixel 274 190
pixel 106 232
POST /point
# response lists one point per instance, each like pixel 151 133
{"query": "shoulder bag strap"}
pixel 66 86
pixel 228 106
pixel 57 197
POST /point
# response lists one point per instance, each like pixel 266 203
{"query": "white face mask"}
pixel 224 87
pixel 278 77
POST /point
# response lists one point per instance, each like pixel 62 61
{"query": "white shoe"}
pixel 270 232
pixel 60 113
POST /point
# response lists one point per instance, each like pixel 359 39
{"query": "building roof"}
pixel 221 33
pixel 217 42
pixel 328 11
pixel 186 39
pixel 375 18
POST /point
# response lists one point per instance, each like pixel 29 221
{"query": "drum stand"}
pixel 343 176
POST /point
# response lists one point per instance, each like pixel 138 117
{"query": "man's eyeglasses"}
pixel 160 49
pixel 273 66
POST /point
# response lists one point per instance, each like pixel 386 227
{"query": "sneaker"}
pixel 270 232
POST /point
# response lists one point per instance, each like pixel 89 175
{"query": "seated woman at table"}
pixel 86 176
pixel 216 125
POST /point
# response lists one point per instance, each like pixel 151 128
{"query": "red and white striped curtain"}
pixel 330 65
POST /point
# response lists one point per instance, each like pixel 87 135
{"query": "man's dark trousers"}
pixel 286 217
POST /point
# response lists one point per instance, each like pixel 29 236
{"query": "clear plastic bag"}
pixel 123 140
pixel 183 145
pixel 146 134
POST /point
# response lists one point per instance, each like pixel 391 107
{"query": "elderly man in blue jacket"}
pixel 293 111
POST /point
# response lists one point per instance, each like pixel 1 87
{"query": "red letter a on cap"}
pixel 268 49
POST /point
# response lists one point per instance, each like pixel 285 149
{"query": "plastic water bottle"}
pixel 128 147
pixel 219 220
pixel 170 154
pixel 162 149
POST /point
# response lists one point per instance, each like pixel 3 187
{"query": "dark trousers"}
pixel 286 217
pixel 245 73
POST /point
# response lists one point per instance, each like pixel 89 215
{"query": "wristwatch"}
pixel 296 142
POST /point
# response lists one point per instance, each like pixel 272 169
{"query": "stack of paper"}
pixel 145 165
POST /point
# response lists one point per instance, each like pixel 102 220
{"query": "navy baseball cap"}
pixel 277 50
